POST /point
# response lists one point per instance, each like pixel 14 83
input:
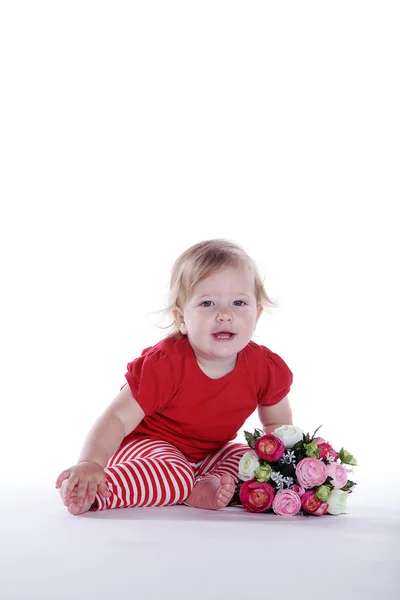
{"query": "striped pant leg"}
pixel 146 472
pixel 223 461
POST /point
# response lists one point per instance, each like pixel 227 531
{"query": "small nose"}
pixel 224 316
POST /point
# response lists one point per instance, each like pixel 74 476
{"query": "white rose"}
pixel 289 434
pixel 248 464
pixel 337 502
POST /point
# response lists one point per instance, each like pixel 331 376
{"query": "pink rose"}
pixel 269 447
pixel 319 440
pixel 311 504
pixel 338 474
pixel 310 472
pixel 298 489
pixel 255 496
pixel 286 503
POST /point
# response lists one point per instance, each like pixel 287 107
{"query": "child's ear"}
pixel 180 319
pixel 259 313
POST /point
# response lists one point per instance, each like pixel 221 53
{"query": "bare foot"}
pixel 212 493
pixel 71 504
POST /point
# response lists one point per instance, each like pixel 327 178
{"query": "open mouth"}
pixel 223 336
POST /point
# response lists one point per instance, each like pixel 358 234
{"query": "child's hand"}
pixel 88 477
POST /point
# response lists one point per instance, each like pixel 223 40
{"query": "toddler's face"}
pixel 220 317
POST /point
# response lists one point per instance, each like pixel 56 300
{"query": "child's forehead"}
pixel 227 278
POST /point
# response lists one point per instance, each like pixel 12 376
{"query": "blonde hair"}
pixel 201 261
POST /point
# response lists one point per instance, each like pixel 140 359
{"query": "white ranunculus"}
pixel 289 434
pixel 248 464
pixel 337 503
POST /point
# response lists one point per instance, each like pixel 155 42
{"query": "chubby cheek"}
pixel 250 324
pixel 199 327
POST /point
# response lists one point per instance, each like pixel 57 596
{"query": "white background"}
pixel 132 130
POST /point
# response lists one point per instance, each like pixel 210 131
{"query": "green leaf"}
pixel 348 486
pixel 250 439
pixel 347 458
pixel 312 450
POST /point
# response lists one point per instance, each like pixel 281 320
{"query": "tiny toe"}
pixel 227 495
pixel 226 479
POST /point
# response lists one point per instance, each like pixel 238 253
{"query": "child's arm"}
pixel 118 420
pixel 274 416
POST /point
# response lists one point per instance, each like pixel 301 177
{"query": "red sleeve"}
pixel 150 378
pixel 276 379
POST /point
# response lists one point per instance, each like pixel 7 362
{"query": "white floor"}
pixel 179 552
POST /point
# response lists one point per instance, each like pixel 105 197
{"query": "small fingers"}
pixel 82 492
pixel 62 477
pixel 72 481
pixel 103 489
pixel 92 491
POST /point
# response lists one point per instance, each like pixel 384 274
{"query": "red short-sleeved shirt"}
pixel 197 414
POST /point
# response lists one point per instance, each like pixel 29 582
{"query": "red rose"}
pixel 322 510
pixel 325 449
pixel 311 504
pixel 269 448
pixel 255 496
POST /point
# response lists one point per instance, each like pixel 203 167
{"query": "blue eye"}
pixel 206 303
pixel 239 303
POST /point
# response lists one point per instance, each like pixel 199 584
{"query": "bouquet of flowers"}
pixel 288 473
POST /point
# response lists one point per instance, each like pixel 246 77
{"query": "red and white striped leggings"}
pixel 148 472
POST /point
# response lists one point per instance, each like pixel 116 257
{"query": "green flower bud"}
pixel 347 458
pixel 263 473
pixel 323 493
pixel 312 449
